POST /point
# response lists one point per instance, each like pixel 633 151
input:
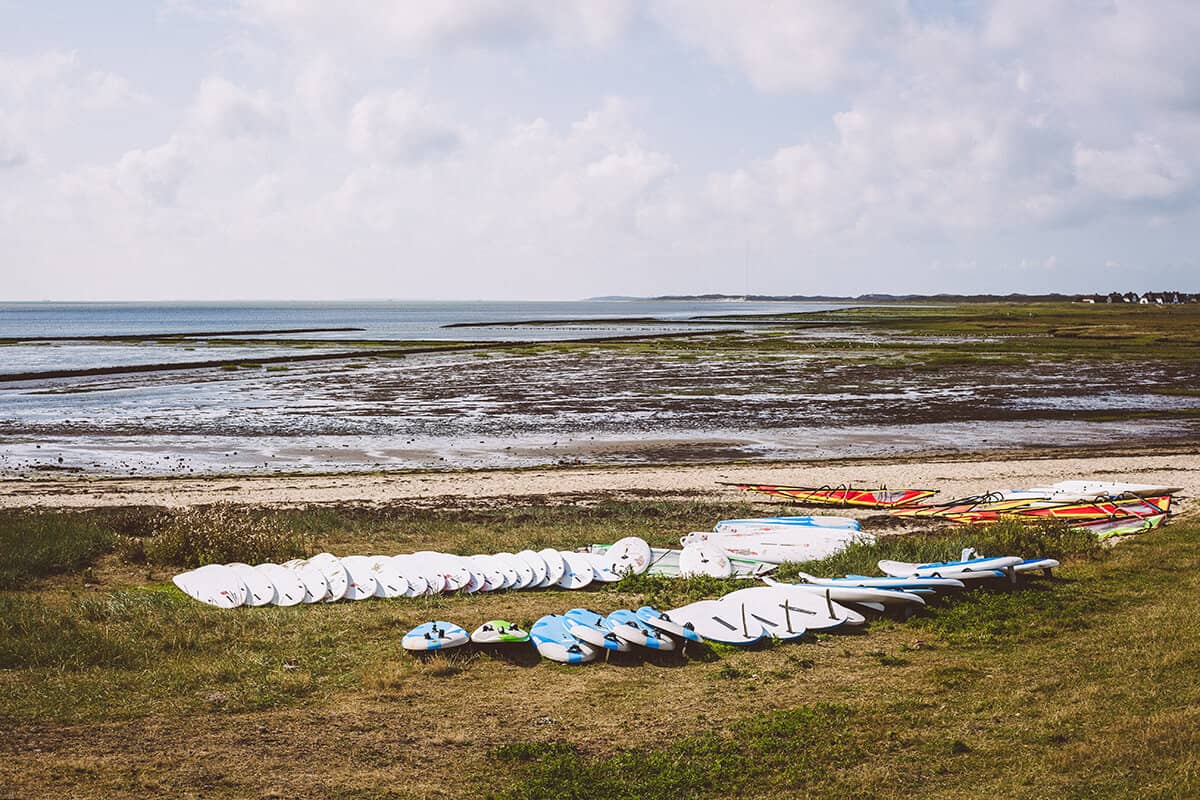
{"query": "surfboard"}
pixel 537 564
pixel 970 569
pixel 435 635
pixel 904 584
pixel 499 631
pixel 521 573
pixel 287 587
pixel 855 594
pixel 780 616
pixel 628 626
pixel 781 547
pixel 335 575
pixel 454 575
pixel 1042 565
pixel 719 622
pixel 552 641
pixel 592 628
pixel 491 569
pixel 704 559
pixel 215 584
pixel 431 570
pixel 389 583
pixel 555 567
pixel 656 619
pixel 602 567
pixel 629 556
pixel 760 524
pixel 362 577
pixel 316 589
pixel 413 575
pixel 259 589
pixel 577 572
pixel 798 607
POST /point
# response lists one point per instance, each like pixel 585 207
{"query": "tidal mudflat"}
pixel 840 383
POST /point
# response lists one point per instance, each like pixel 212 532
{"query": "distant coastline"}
pixel 898 298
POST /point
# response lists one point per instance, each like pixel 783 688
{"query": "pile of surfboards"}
pixel 327 578
pixel 1106 508
pixel 768 540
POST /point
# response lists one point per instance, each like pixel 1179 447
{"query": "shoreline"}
pixel 955 474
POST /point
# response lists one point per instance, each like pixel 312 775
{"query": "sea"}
pixel 393 320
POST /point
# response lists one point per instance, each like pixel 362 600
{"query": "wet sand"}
pixel 954 475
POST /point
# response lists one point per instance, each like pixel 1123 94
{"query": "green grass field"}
pixel 113 684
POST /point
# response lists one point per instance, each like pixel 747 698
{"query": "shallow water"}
pixel 599 406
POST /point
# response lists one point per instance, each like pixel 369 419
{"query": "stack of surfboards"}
pixel 327 578
pixel 768 540
pixel 581 635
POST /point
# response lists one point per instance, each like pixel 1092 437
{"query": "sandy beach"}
pixel 953 475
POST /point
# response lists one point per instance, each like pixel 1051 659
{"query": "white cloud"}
pixel 400 127
pixel 426 27
pixel 1146 169
pixel 810 46
pixel 224 109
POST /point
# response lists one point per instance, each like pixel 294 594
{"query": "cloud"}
pixel 224 109
pixel 400 127
pixel 810 46
pixel 428 27
pixel 1144 170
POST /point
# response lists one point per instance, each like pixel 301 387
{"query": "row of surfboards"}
pixel 327 578
pixel 734 548
pixel 784 611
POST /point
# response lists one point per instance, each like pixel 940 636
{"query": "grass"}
pixel 1078 686
pixel 34 544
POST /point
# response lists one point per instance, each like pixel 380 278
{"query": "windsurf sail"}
pixel 842 495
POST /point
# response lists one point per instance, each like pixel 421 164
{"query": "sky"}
pixel 521 149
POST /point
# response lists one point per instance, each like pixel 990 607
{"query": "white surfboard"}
pixel 287 587
pixel 431 570
pixel 719 622
pixel 577 572
pixel 335 575
pixel 522 574
pixel 602 568
pixel 491 569
pixel 362 577
pixel 316 588
pixel 761 524
pixel 454 576
pixel 259 589
pixel 704 559
pixel 555 567
pixel 904 584
pixel 389 583
pixel 537 564
pixel 413 574
pixel 804 609
pixel 215 584
pixel 855 594
pixel 781 547
pixel 1042 565
pixel 971 569
pixel 629 556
